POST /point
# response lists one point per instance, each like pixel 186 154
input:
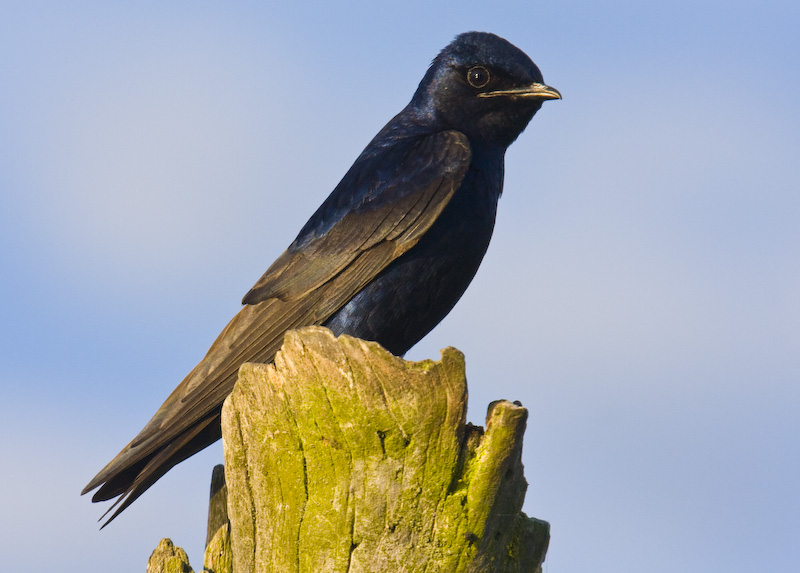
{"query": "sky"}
pixel 641 295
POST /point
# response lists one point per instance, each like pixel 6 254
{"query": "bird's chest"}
pixel 434 274
pixel 461 235
pixel 419 288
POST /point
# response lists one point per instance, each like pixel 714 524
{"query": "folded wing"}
pixel 385 203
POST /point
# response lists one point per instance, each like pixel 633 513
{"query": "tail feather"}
pixel 127 484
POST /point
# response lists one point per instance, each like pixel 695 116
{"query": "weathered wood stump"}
pixel 341 457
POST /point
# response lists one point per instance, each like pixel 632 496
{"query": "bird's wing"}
pixel 396 202
pixel 385 200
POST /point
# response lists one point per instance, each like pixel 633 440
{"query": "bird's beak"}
pixel 533 91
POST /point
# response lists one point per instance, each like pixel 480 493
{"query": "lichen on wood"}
pixel 167 558
pixel 218 555
pixel 341 457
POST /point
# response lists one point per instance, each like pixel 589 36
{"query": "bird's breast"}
pixel 417 290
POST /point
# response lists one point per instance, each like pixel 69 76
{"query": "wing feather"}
pixel 424 178
pixel 396 203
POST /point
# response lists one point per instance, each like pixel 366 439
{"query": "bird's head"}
pixel 483 86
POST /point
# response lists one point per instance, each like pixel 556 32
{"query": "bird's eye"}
pixel 478 76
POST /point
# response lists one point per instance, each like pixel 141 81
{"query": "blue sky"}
pixel 640 295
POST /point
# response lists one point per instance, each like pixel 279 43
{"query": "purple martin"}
pixel 385 257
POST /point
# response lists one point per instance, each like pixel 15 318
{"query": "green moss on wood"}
pixel 167 558
pixel 218 555
pixel 342 457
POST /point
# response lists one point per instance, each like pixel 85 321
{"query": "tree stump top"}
pixel 343 457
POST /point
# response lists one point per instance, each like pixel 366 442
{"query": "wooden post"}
pixel 341 457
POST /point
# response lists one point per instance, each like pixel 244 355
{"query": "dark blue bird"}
pixel 384 258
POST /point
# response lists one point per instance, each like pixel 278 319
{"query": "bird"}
pixel 384 258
